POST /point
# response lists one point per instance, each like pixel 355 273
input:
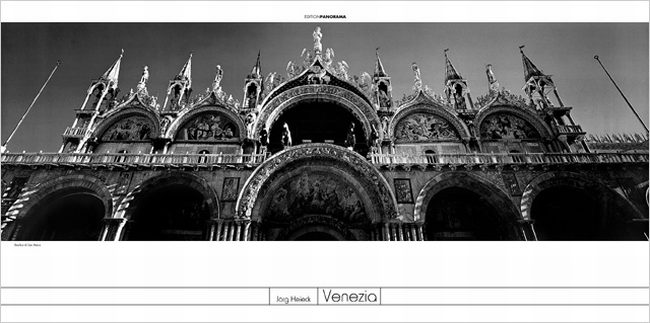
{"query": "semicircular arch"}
pixel 192 114
pixel 459 127
pixel 149 123
pixel 575 180
pixel 370 180
pixel 497 197
pixel 356 105
pixel 543 131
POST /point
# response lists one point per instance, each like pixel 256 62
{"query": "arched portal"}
pixel 316 121
pixel 572 207
pixel 171 208
pixel 70 214
pixel 460 214
pixel 461 206
pixel 316 192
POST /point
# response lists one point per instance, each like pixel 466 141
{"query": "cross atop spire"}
pixel 112 73
pixel 379 67
pixel 450 70
pixel 257 69
pixel 186 72
pixel 530 69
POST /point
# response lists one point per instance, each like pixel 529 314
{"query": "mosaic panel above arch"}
pixel 315 192
pixel 132 128
pixel 424 127
pixel 209 126
pixel 507 126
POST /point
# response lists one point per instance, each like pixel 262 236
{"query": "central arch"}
pixel 320 96
pixel 317 190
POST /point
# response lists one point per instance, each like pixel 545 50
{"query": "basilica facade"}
pixel 318 154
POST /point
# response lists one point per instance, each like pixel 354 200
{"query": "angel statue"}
pixel 329 56
pixel 291 69
pixel 318 47
pixel 364 81
pixel 270 81
pixel 418 78
pixel 343 69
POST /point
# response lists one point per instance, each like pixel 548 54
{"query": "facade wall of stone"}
pixel 500 183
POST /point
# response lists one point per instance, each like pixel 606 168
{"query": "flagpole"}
pixel 621 92
pixel 4 145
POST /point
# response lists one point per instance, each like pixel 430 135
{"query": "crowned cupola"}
pixel 180 88
pixel 456 88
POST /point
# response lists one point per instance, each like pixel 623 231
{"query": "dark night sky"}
pixel 564 50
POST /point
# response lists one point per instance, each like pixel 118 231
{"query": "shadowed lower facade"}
pixel 323 155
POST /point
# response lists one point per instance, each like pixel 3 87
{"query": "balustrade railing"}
pixel 132 159
pixel 569 129
pixel 380 159
pixel 75 132
pixel 510 158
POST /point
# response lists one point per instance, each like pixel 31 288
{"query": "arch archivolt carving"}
pixel 352 164
pixel 529 117
pixel 497 196
pixel 190 114
pixel 115 117
pixel 130 201
pixel 576 180
pixel 359 108
pixel 436 112
pixel 34 194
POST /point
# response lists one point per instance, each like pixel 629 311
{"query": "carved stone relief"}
pixel 424 127
pixel 132 128
pixel 506 126
pixel 207 127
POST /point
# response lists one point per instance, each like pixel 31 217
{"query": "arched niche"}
pixel 480 206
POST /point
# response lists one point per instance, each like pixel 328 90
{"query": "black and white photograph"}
pixel 324 161
pixel 283 131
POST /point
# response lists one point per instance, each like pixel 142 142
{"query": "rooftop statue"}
pixel 318 47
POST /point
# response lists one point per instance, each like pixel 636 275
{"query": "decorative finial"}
pixel 521 48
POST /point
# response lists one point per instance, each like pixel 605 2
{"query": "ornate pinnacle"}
pixel 379 67
pixel 530 69
pixel 113 72
pixel 450 70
